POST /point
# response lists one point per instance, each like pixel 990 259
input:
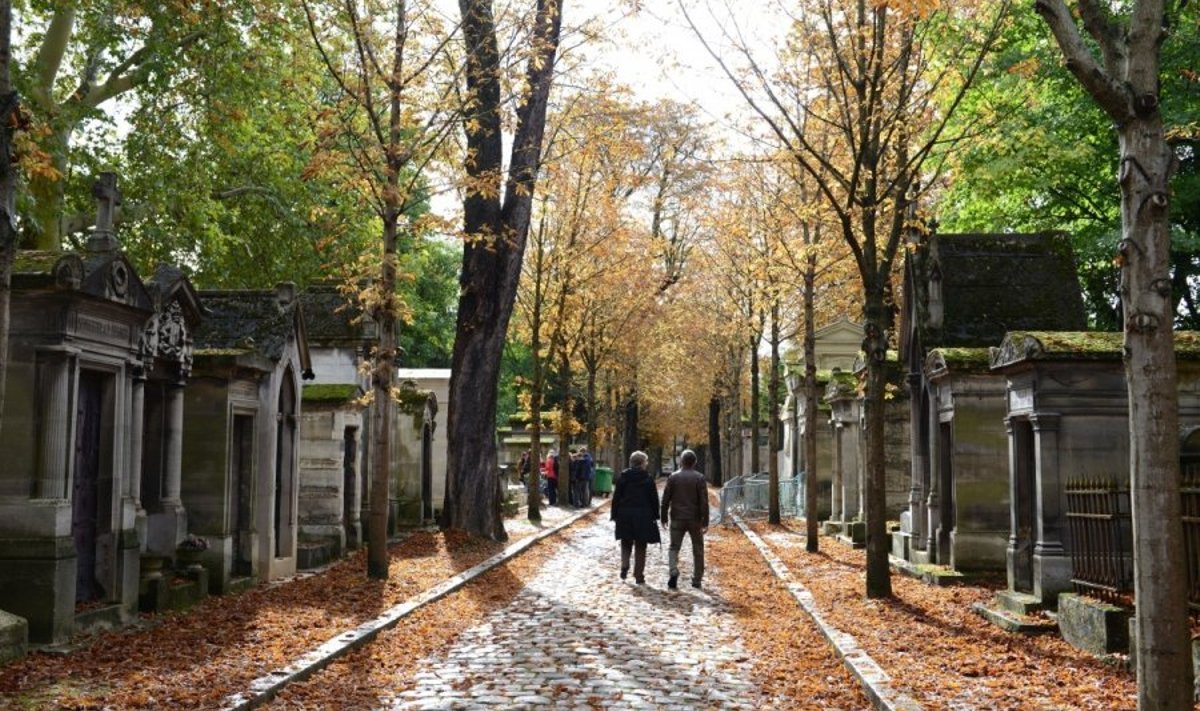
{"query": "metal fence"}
pixel 1101 537
pixel 748 496
pixel 1190 491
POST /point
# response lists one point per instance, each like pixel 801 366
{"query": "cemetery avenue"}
pixel 555 627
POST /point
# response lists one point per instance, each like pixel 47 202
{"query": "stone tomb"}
pixel 240 440
pixel 91 346
pixel 420 454
pixel 1067 420
pixel 334 427
pixel 962 292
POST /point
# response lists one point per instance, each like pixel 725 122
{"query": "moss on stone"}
pixel 411 401
pixel 35 261
pixel 330 393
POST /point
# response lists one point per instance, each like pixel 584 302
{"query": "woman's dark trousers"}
pixel 639 558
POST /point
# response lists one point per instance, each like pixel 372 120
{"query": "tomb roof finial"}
pixel 103 238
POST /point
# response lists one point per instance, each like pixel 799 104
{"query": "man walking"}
pixel 685 506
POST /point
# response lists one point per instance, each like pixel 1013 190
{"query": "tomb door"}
pixel 85 489
pixel 946 491
pixel 1024 506
pixel 427 472
pixel 349 481
pixel 285 441
pixel 242 490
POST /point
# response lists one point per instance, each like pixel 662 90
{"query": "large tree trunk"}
pixel 497 231
pixel 8 190
pixel 879 582
pixel 810 406
pixel 1124 81
pixel 1164 660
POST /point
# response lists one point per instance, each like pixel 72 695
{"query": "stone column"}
pixel 169 526
pixel 55 441
pixel 174 444
pixel 837 513
pixel 1051 565
pixel 916 493
pixel 137 421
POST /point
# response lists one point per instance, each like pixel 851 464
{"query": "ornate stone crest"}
pixel 1016 348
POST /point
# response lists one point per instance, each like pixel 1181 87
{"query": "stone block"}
pixel 901 545
pixel 1018 602
pixel 1093 626
pixel 856 531
pixel 14 636
pixel 313 555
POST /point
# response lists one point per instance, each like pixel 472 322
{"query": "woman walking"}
pixel 635 509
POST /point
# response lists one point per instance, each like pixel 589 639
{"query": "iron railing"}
pixel 1190 494
pixel 748 496
pixel 1101 537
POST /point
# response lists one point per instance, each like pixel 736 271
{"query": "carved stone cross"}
pixel 103 239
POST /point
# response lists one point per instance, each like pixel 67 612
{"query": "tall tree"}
pixel 1121 72
pixel 496 217
pixel 884 79
pixel 389 143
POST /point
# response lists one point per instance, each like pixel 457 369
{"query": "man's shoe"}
pixel 641 581
pixel 696 584
pixel 624 573
pixel 673 582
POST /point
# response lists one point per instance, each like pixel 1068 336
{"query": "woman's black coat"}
pixel 635 507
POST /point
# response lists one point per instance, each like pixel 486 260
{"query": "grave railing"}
pixel 1101 537
pixel 1190 494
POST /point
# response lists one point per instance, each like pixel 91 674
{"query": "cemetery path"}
pixel 572 635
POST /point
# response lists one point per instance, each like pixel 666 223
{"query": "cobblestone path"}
pixel 578 637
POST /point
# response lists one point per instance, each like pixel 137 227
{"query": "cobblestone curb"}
pixel 264 688
pixel 875 681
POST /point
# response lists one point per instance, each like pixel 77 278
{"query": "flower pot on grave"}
pixel 187 557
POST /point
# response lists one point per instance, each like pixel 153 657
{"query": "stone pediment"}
pixel 1015 347
pixel 935 365
pixel 109 276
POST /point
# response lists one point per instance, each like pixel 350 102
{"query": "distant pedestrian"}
pixel 550 472
pixel 685 506
pixel 523 466
pixel 635 509
pixel 588 470
pixel 575 469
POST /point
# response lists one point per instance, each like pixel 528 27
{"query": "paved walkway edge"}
pixel 264 688
pixel 875 681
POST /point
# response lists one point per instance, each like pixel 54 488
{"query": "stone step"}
pixel 1018 603
pixel 1012 622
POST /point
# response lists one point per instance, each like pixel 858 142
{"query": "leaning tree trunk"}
pixel 810 406
pixel 879 582
pixel 631 442
pixel 497 230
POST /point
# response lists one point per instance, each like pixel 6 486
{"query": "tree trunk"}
pixel 533 481
pixel 497 231
pixel 590 425
pixel 1125 84
pixel 381 410
pixel 773 508
pixel 1164 660
pixel 8 190
pixel 879 582
pixel 714 441
pixel 631 442
pixel 755 403
pixel 810 406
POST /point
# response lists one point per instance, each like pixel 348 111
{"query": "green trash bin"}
pixel 603 483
